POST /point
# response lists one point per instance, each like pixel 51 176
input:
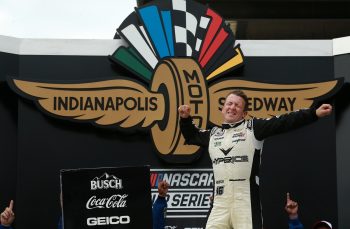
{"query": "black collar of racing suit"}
pixel 232 125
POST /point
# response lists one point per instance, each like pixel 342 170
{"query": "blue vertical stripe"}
pixel 168 27
pixel 153 25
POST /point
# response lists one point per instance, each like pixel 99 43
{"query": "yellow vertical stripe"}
pixel 236 60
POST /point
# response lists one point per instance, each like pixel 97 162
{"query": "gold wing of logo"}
pixel 266 100
pixel 111 102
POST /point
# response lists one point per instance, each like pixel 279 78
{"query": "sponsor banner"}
pixel 106 198
pixel 189 196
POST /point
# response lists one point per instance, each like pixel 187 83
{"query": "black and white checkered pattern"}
pixel 189 27
pixel 201 32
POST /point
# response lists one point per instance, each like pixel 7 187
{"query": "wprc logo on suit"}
pixel 181 49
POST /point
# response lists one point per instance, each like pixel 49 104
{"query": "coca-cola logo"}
pixel 114 201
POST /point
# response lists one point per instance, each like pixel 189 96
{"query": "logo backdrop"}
pixel 106 198
pixel 188 197
pixel 184 52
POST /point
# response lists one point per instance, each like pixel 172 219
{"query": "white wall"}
pixel 73 19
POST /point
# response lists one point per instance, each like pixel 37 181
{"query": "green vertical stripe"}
pixel 126 58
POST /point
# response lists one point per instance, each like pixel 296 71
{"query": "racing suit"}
pixel 3 227
pixel 235 151
pixel 158 212
pixel 295 224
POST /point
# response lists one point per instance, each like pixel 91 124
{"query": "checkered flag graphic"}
pixel 201 31
pixel 189 28
pixel 176 28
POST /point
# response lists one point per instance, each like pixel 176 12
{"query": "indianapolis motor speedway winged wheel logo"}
pixel 176 46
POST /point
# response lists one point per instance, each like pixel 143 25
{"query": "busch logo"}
pixel 114 201
pixel 105 182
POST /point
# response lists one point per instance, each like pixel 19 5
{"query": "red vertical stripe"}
pixel 214 26
pixel 214 46
pixel 153 179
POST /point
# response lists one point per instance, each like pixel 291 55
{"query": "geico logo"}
pixel 170 227
pixel 111 220
pixel 106 184
pixel 233 159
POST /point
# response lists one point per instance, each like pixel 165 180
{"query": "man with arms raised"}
pixel 235 150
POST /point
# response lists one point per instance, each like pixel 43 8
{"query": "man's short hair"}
pixel 322 223
pixel 241 94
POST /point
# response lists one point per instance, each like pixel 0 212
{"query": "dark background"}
pixel 37 146
pixel 341 69
pixel 283 19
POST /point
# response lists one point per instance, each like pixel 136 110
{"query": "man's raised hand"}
pixel 184 111
pixel 7 216
pixel 324 110
pixel 163 187
pixel 291 207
